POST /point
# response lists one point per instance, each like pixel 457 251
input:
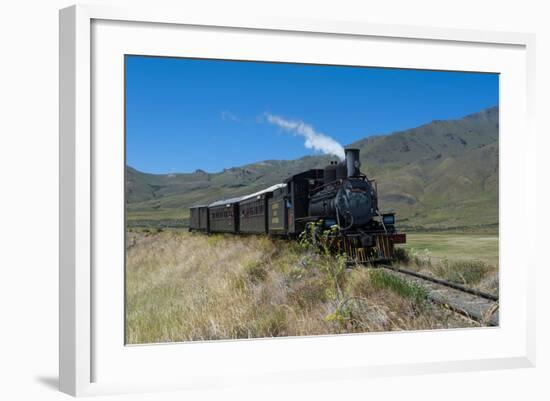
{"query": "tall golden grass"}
pixel 469 271
pixel 183 287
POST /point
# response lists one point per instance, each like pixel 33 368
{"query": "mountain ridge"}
pixel 437 175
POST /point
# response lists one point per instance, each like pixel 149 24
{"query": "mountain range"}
pixel 440 175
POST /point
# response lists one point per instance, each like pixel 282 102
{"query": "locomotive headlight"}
pixel 388 219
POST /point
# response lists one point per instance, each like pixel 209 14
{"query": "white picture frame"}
pixel 86 332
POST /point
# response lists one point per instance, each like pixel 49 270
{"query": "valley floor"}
pixel 455 246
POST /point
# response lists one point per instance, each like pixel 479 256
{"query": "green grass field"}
pixel 455 246
pixel 160 214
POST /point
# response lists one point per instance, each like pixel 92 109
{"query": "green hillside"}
pixel 437 176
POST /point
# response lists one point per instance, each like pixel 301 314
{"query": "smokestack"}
pixel 352 162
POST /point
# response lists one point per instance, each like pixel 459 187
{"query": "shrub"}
pixel 343 314
pixel 333 270
pixel 402 255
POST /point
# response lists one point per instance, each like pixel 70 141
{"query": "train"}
pixel 339 201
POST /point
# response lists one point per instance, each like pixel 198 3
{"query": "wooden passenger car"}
pixel 224 216
pixel 253 218
pixel 198 218
pixel 253 208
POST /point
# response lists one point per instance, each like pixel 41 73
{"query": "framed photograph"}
pixel 269 200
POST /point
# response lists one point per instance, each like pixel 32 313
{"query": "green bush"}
pixel 402 255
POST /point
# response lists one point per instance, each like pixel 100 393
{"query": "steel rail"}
pixel 446 283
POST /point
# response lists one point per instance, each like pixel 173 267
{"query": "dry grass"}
pixel 469 271
pixel 183 287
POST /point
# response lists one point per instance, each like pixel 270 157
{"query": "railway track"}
pixel 474 304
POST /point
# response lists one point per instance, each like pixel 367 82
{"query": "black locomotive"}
pixel 338 198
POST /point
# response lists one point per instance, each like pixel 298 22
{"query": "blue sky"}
pixel 188 114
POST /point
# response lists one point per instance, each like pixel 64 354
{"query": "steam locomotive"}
pixel 338 199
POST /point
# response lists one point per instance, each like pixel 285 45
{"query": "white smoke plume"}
pixel 313 139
